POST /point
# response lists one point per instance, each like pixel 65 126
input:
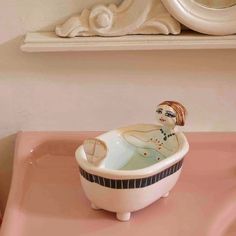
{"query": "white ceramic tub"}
pixel 122 191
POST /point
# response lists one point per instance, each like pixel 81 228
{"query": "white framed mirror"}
pixel 214 17
pixel 217 4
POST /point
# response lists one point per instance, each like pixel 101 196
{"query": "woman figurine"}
pixel 150 141
pixel 160 141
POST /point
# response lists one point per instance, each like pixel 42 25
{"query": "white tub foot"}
pixel 94 207
pixel 123 216
pixel 166 195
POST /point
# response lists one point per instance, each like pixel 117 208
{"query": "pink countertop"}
pixel 46 196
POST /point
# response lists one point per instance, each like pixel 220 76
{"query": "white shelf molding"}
pixel 50 42
pixel 128 17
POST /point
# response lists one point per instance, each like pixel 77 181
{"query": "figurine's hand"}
pixel 159 145
pixel 156 143
pixel 95 150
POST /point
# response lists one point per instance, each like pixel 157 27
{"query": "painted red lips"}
pixel 161 119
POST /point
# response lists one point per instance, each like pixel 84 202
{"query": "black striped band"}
pixel 131 183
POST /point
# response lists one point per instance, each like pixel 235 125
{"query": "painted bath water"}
pixel 129 168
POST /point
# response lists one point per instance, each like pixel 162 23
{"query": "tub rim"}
pixel 138 173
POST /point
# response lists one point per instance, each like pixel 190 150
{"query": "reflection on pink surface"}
pixel 46 197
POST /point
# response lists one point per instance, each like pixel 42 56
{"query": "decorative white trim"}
pixel 50 42
pixel 216 3
pixel 201 18
pixel 130 17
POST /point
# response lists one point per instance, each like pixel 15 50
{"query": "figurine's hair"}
pixel 180 110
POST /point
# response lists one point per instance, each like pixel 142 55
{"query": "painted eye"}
pixel 170 114
pixel 159 111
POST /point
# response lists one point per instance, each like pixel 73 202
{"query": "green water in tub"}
pixel 142 160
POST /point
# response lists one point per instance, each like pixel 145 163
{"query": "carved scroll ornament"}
pixel 130 17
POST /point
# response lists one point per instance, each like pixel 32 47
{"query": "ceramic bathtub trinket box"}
pixel 129 168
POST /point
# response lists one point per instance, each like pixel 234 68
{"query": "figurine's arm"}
pixel 134 138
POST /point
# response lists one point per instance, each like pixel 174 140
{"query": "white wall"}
pixel 101 90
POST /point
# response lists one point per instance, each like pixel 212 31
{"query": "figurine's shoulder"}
pixel 140 127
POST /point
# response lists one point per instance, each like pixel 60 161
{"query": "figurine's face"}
pixel 166 115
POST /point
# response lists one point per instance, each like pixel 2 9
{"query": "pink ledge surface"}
pixel 46 196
